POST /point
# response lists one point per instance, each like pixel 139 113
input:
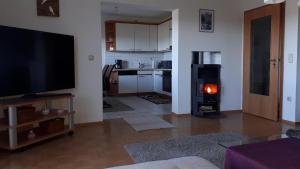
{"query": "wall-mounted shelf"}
pixel 10 127
pixel 207 57
pixel 110 36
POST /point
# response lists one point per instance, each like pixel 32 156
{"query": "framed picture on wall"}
pixel 207 19
pixel 48 8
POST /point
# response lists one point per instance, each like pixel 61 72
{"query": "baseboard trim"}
pixel 127 94
pixel 290 123
pixel 232 111
pixel 135 94
pixel 181 114
pixel 226 112
pixel 89 124
pixel 143 94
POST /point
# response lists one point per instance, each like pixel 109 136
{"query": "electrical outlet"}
pixel 91 57
pixel 291 58
pixel 289 99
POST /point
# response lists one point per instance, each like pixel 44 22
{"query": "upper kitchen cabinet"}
pixel 141 37
pixel 131 37
pixel 164 36
pixel 125 37
pixel 153 38
pixel 145 37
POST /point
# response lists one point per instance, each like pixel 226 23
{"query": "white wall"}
pixel 298 71
pixel 227 39
pixel 175 62
pixel 247 5
pixel 291 109
pixel 81 19
pixel 290 69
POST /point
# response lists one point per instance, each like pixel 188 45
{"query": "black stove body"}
pixel 206 90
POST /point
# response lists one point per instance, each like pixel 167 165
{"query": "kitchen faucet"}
pixel 141 65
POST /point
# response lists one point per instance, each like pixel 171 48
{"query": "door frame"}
pixel 281 59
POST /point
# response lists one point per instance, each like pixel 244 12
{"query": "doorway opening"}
pixel 137 60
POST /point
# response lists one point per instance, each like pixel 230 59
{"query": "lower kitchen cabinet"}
pixel 145 83
pixel 158 80
pixel 131 82
pixel 128 84
pixel 134 82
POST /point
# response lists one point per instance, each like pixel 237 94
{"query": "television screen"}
pixel 34 61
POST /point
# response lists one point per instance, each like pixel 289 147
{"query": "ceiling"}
pixel 133 11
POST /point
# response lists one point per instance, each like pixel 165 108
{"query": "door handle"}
pixel 274 61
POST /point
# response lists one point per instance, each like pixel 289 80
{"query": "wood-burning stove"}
pixel 206 89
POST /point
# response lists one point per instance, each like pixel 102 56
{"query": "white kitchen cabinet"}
pixel 158 81
pixel 141 37
pixel 164 39
pixel 128 84
pixel 145 83
pixel 153 38
pixel 125 37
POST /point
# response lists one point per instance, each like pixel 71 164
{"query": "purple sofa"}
pixel 278 154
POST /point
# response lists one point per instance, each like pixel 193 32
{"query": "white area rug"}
pixel 177 163
pixel 147 122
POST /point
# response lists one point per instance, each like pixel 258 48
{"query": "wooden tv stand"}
pixel 9 128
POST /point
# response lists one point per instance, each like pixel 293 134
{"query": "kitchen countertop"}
pixel 146 69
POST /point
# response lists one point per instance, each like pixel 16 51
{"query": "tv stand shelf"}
pixel 11 141
pixel 3 126
pixel 31 100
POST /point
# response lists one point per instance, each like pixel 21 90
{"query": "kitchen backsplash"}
pixel 133 59
pixel 167 56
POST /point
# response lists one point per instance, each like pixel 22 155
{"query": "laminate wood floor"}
pixel 101 145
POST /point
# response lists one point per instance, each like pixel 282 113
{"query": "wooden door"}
pixel 262 29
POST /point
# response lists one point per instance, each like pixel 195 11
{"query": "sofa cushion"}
pixel 177 163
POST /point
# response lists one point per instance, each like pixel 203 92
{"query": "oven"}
pixel 167 81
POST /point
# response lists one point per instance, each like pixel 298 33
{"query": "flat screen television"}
pixel 33 61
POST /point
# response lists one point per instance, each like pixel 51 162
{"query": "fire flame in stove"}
pixel 210 89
